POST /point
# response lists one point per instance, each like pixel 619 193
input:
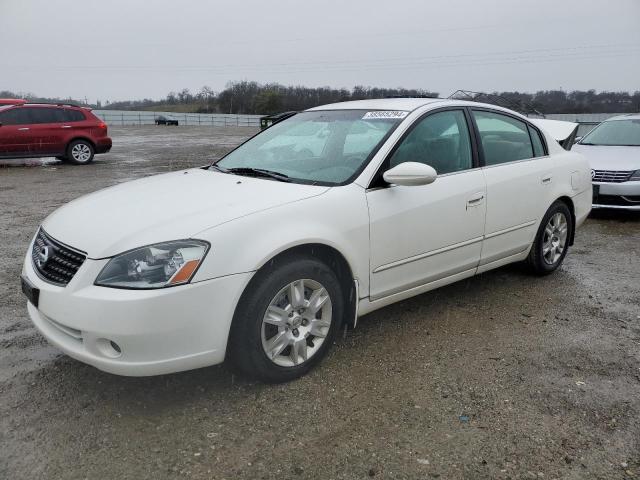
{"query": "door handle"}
pixel 475 200
pixel 23 129
pixel 545 180
pixel 66 126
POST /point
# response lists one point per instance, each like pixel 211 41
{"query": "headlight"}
pixel 635 175
pixel 155 266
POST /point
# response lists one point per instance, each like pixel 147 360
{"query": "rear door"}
pixel 46 130
pixel 518 174
pixel 15 132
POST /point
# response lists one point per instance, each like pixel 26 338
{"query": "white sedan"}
pixel 613 151
pixel 262 257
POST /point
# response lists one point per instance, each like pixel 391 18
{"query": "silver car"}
pixel 613 151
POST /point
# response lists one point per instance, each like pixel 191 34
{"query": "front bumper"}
pixel 157 331
pixel 622 196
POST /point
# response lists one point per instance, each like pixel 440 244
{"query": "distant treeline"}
pixel 254 98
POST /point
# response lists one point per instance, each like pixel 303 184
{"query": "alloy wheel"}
pixel 81 152
pixel 555 238
pixel 296 323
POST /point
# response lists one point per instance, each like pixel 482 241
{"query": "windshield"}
pixel 615 133
pixel 324 147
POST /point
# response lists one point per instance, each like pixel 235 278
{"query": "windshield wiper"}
pixel 258 172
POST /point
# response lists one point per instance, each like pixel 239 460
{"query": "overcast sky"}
pixel 126 49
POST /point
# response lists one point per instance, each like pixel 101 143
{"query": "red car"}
pixel 70 133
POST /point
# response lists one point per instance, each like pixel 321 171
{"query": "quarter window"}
pixel 73 116
pixel 440 140
pixel 538 147
pixel 504 139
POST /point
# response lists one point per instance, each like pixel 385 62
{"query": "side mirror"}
pixel 410 174
pixel 576 140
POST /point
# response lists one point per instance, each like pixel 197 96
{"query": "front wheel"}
pixel 80 152
pixel 552 240
pixel 286 320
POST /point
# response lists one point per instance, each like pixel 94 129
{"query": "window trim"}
pixel 376 179
pixel 476 131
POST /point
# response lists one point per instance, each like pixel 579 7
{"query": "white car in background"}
pixel 262 257
pixel 613 151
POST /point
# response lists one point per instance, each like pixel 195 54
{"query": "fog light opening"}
pixel 115 346
pixel 108 348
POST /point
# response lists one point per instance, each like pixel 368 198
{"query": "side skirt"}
pixel 367 305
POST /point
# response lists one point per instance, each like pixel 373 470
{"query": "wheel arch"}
pixel 569 203
pixel 334 259
pixel 79 137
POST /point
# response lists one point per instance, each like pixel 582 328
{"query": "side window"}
pixel 15 116
pixel 504 139
pixel 42 115
pixel 440 140
pixel 73 116
pixel 538 147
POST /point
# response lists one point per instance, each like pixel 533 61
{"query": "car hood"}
pixel 602 157
pixel 165 207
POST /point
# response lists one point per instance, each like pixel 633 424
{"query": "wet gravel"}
pixel 500 376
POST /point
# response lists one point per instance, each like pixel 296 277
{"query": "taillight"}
pixel 102 125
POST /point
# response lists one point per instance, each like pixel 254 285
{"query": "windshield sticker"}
pixel 383 114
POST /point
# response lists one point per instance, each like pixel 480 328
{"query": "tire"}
pixel 80 152
pixel 289 331
pixel 552 240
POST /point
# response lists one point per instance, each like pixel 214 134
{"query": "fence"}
pixel 129 117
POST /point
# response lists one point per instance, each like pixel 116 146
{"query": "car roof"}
pixel 407 104
pixel 628 116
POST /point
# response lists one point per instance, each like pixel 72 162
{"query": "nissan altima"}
pixel 263 256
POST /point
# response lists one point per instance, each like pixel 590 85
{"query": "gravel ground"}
pixel 500 376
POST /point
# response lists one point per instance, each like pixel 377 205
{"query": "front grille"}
pixel 53 261
pixel 611 176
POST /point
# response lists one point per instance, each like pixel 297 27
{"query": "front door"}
pixel 15 132
pixel 421 234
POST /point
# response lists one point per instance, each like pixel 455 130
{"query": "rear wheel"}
pixel 286 320
pixel 552 240
pixel 80 152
